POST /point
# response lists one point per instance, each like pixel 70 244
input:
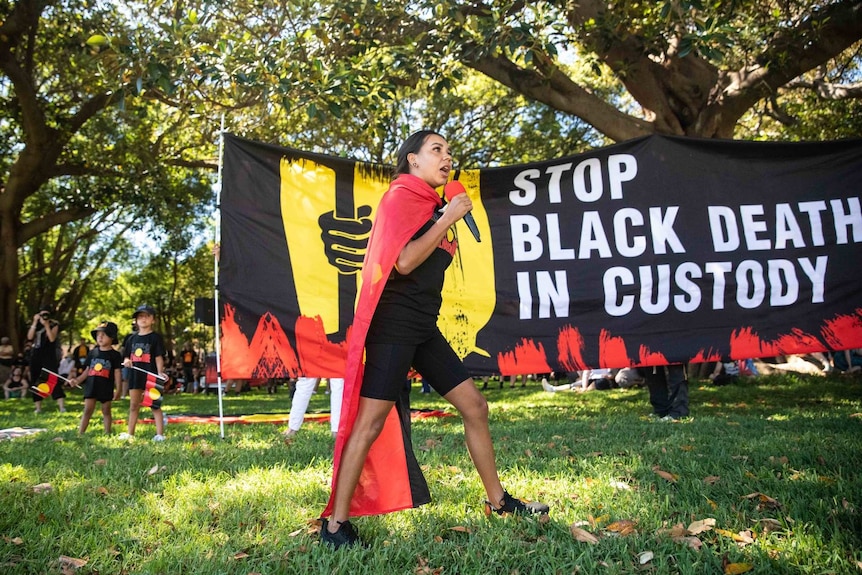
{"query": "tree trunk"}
pixel 9 320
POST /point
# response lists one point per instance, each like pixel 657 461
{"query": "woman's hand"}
pixel 458 207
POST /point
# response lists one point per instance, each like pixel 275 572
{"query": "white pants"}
pixel 304 388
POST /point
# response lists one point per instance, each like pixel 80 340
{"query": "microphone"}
pixel 451 190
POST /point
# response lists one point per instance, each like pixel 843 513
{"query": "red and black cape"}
pixel 391 479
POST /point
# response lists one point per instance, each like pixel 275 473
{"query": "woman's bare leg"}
pixel 370 418
pixel 473 406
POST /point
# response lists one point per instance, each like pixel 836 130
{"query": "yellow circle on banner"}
pixel 139 352
pixel 98 367
pixel 43 387
pixel 154 393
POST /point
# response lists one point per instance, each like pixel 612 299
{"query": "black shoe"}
pixel 516 506
pixel 346 535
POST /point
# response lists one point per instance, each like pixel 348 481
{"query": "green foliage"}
pixel 197 503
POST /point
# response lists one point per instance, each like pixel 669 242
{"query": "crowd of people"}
pixel 141 369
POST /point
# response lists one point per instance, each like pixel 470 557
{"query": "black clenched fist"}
pixel 345 239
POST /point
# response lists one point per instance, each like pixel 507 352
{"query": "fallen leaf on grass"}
pixel 711 479
pixel 57 440
pixel 645 557
pixel 665 474
pixel 43 488
pixel 620 485
pixel 153 469
pixel 16 541
pixel 240 555
pixel 297 532
pixel 623 527
pixel 677 530
pixel 73 562
pixel 100 462
pixel 768 525
pixel 423 568
pixel 583 535
pixel 691 541
pixel 782 460
pixel 737 568
pixel 102 491
pixel 461 529
pixel 700 526
pixel 766 501
pixel 742 537
pixel 429 444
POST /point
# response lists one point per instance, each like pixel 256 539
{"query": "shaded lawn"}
pixel 774 462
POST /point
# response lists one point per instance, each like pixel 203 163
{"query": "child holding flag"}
pixel 102 374
pixel 144 355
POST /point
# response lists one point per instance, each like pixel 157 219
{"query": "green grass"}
pixel 243 504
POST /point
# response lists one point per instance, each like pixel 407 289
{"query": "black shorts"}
pixel 101 391
pixel 387 366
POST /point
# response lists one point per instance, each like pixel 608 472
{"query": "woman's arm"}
pixel 418 250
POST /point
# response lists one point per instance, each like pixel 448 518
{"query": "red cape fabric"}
pixel 384 485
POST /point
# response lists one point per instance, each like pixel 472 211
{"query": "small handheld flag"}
pixel 47 382
pixel 153 391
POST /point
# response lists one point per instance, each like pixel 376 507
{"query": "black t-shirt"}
pixel 102 365
pixel 143 351
pixel 409 305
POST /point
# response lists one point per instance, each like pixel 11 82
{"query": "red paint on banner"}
pixel 270 354
pixel 844 331
pixel 570 346
pixel 649 357
pixel 276 357
pixel 527 357
pixel 318 356
pixel 706 356
pixel 236 361
pixel 745 344
pixel 612 350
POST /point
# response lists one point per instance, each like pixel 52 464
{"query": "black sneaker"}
pixel 516 506
pixel 346 535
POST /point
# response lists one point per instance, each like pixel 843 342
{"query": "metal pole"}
pixel 215 277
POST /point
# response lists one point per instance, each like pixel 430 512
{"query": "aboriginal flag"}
pixel 47 382
pixel 152 392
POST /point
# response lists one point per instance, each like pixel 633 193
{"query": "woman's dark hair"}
pixel 411 145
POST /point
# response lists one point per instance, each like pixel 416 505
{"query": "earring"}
pixel 415 165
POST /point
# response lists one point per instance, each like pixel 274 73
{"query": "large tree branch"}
pixel 561 93
pixel 827 90
pixel 21 23
pixel 823 36
pixel 42 224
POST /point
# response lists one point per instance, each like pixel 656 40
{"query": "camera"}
pixel 45 315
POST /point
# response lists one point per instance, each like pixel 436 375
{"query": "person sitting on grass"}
pixel 16 385
pixel 848 361
pixel 102 375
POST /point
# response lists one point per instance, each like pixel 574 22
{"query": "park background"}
pixel 110 121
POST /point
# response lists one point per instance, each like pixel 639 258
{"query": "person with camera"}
pixel 43 333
